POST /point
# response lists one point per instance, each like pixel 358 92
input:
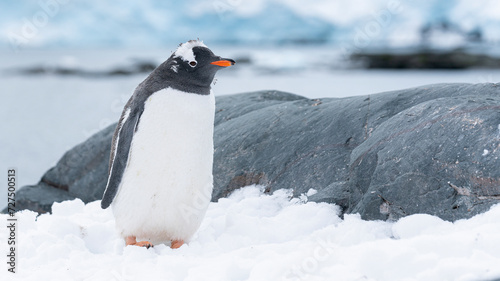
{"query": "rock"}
pixel 299 143
pixel 83 170
pixel 439 157
pixel 424 59
pixel 39 198
pixel 135 67
pixel 431 149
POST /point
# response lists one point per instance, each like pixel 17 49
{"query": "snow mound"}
pixel 254 236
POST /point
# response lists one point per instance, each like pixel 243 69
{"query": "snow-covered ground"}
pixel 252 236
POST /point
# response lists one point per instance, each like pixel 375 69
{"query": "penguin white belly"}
pixel 167 184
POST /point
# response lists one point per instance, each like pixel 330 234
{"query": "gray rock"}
pixel 439 157
pixel 39 198
pixel 424 59
pixel 83 170
pixel 298 144
pixel 387 155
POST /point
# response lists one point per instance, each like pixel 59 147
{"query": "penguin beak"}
pixel 224 62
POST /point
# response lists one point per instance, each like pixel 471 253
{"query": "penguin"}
pixel 160 170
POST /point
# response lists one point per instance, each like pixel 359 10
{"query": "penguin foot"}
pixel 176 244
pixel 146 244
pixel 131 240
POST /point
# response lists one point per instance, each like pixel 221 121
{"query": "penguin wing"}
pixel 120 152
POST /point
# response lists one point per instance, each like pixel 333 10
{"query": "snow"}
pixel 256 236
pixel 311 192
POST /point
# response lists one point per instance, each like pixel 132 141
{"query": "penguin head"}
pixel 194 63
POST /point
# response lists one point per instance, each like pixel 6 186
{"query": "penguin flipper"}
pixel 120 152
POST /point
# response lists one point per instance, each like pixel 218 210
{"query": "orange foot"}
pixel 131 240
pixel 176 244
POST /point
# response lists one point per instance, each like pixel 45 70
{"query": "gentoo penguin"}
pixel 160 174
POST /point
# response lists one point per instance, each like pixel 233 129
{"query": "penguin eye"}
pixel 192 63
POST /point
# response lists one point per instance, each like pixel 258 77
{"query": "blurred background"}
pixel 67 67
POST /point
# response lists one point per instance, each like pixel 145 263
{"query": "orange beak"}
pixel 224 62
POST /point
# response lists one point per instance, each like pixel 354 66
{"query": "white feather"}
pixel 167 185
pixel 185 50
pixel 120 125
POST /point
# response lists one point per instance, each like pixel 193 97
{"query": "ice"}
pixel 255 236
pixel 49 23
